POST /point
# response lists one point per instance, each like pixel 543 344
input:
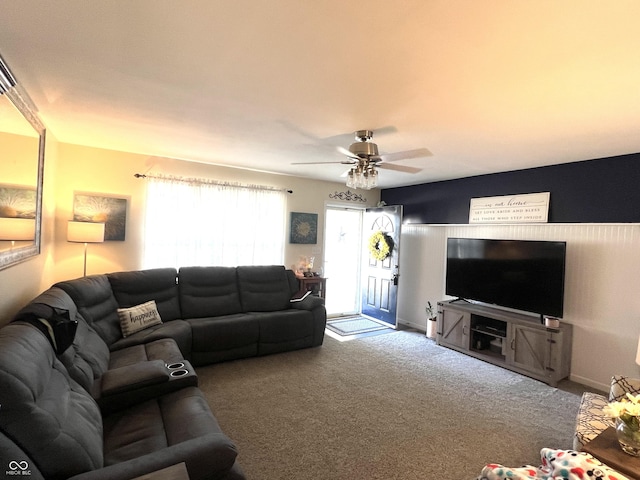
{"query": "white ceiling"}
pixel 485 85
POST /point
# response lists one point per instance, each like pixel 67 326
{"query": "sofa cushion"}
pixel 45 412
pixel 178 330
pixel 139 317
pixel 208 291
pixel 263 288
pixel 163 427
pixel 88 357
pixel 284 325
pixel 158 284
pixel 164 349
pixel 10 452
pixel 224 338
pixel 54 313
pixel 94 300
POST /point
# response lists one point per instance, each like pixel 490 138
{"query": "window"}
pixel 195 222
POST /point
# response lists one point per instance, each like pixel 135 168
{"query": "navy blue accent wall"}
pixel 591 191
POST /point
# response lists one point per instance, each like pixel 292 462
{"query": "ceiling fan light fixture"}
pixel 363 176
pixel 351 181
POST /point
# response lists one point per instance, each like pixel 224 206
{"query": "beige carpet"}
pixel 383 407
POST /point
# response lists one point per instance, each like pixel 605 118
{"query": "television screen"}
pixel 525 275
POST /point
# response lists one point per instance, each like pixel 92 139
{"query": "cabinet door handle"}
pixel 464 330
pixel 513 344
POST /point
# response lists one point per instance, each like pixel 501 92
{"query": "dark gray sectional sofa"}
pixel 78 400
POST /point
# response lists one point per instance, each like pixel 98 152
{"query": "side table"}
pixel 605 447
pixel 317 285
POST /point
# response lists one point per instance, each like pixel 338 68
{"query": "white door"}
pixel 342 260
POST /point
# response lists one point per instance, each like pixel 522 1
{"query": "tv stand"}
pixel 511 340
pixel 460 299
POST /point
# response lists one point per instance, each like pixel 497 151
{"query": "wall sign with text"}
pixel 525 208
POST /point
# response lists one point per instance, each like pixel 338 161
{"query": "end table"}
pixel 317 285
pixel 605 447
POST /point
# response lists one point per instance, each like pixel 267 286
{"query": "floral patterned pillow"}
pixel 556 465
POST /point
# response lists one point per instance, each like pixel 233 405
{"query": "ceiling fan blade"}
pixel 346 152
pixel 384 130
pixel 394 157
pixel 345 173
pixel 399 168
pixel 344 162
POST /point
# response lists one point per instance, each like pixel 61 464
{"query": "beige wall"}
pixel 73 168
pixel 21 282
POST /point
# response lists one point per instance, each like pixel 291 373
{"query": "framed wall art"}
pixel 112 211
pixel 304 228
pixel 17 201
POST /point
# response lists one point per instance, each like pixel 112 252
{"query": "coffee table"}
pixel 605 447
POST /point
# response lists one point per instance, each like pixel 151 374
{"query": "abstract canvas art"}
pixel 112 211
pixel 17 201
pixel 304 228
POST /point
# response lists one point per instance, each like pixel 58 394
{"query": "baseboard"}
pixel 589 383
pixel 417 326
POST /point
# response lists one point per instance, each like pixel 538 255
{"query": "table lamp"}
pixel 16 229
pixel 85 232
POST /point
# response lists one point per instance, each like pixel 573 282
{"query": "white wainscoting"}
pixel 602 287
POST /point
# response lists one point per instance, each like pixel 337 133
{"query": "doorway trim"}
pixel 357 252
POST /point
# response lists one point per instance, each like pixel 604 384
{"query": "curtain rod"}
pixel 204 181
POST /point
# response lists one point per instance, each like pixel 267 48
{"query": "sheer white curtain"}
pixel 200 223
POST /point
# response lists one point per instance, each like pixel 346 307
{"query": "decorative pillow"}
pixel 556 465
pixel 134 319
pixel 621 385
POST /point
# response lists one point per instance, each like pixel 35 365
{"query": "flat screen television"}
pixel 525 275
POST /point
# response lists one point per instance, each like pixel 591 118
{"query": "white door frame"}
pixel 358 252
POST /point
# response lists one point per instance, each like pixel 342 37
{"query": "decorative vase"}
pixel 431 328
pixel 628 439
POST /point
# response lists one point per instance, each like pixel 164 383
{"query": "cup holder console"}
pixel 175 366
pixel 179 373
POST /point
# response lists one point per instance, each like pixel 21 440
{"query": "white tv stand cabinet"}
pixel 511 340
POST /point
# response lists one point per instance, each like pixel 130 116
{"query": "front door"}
pixel 380 274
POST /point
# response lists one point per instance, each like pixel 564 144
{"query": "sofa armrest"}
pixel 133 377
pixel 122 387
pixel 307 303
pixel 208 457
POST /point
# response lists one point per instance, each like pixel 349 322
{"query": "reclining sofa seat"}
pixel 53 425
pixel 244 311
pixel 98 298
pixel 48 404
pixel 117 378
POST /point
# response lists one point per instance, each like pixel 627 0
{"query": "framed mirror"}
pixel 22 140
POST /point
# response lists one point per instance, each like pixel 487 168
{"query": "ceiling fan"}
pixel 365 160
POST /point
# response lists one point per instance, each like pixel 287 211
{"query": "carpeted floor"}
pixel 383 407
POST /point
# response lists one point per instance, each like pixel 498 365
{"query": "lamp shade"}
pixel 85 232
pixel 17 229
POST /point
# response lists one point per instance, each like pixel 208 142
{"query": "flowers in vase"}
pixel 627 410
